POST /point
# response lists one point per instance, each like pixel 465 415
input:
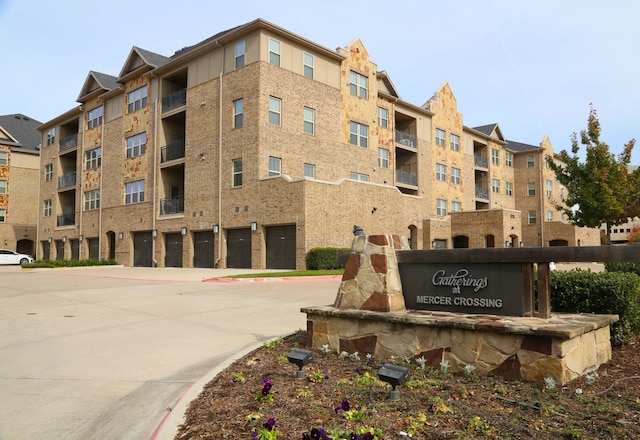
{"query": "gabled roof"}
pixel 20 131
pixel 140 61
pixel 519 147
pixel 491 130
pixel 391 89
pixel 96 84
pixel 215 37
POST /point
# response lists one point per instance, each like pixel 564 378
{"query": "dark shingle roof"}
pixel 202 43
pixel 151 58
pixel 518 147
pixel 486 129
pixel 105 81
pixel 24 129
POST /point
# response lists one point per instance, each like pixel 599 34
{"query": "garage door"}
pixel 281 247
pixel 173 250
pixel 142 249
pixel 239 248
pixel 203 253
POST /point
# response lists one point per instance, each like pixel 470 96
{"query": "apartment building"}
pixel 19 170
pixel 256 145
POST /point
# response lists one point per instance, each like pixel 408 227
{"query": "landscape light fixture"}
pixel 301 358
pixel 394 375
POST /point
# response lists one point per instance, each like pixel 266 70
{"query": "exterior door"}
pixel 203 249
pixel 239 248
pixel 173 250
pixel 94 250
pixel 281 247
pixel 142 249
pixel 75 249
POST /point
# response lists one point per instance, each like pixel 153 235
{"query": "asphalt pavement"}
pixel 118 352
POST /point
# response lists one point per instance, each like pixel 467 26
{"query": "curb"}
pixel 272 279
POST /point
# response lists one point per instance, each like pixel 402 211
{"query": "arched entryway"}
pixel 461 241
pixel 490 241
pixel 111 245
pixel 413 237
pixel 558 242
pixel 25 246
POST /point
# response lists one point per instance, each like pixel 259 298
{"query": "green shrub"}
pixel 323 258
pixel 625 266
pixel 614 293
pixel 69 263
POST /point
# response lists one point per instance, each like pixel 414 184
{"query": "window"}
pixel 383 117
pixel 94 117
pixel 137 99
pixel 3 215
pixel 309 120
pixel 531 160
pixel 238 109
pixel 310 170
pixel 547 162
pixel 456 174
pixel 383 157
pixel 508 159
pixel 48 172
pixel 51 136
pixel 456 206
pixel 495 157
pixel 47 208
pixel 359 135
pixel 307 65
pixel 441 207
pixel 3 186
pixel 134 192
pixel 237 172
pixel 4 157
pixel 92 199
pixel 360 177
pixel 532 217
pixel 239 54
pixel 93 158
pixel 275 108
pixel 508 188
pixel 441 172
pixel 136 145
pixel 454 142
pixel 274 52
pixel 549 188
pixel 359 85
pixel 495 186
pixel 275 166
pixel 440 137
pixel 531 189
pixel 549 216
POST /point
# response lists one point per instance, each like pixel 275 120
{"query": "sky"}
pixel 532 66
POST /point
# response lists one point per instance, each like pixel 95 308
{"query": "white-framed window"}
pixel 3 215
pixel 547 162
pixel 508 188
pixel 383 117
pixel 456 175
pixel 3 186
pixel 274 52
pixel 495 156
pixel 531 189
pixel 238 112
pixel 310 170
pixel 531 160
pixel 275 166
pixel 359 85
pixel 237 173
pixel 275 110
pixel 134 192
pixel 549 216
pixel 307 65
pixel 51 136
pixel 359 134
pixel 454 142
pixel 94 117
pixel 456 206
pixel 508 159
pixel 93 158
pixel 137 99
pixel 495 186
pixel 4 157
pixel 48 172
pixel 136 145
pixel 383 158
pixel 441 172
pixel 92 200
pixel 47 208
pixel 309 120
pixel 359 176
pixel 440 137
pixel 239 51
pixel 549 188
pixel 441 207
pixel 532 217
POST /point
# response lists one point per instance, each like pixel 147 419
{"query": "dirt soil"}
pixel 341 394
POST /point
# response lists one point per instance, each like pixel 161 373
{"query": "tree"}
pixel 600 189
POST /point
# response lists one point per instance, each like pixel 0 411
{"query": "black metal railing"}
pixel 173 151
pixel 66 220
pixel 481 161
pixel 407 178
pixel 174 100
pixel 482 193
pixel 69 142
pixel 406 139
pixel 174 205
pixel 68 179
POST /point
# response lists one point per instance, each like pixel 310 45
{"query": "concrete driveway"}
pixel 103 353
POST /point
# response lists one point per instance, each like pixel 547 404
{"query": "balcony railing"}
pixel 480 161
pixel 407 178
pixel 172 151
pixel 406 139
pixel 66 220
pixel 68 179
pixel 482 193
pixel 69 142
pixel 174 205
pixel 174 100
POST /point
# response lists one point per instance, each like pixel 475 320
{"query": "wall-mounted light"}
pixel 6 242
pixel 120 235
pixel 374 210
pixel 80 238
pixel 521 244
pixel 254 226
pixel 394 375
pixel 216 229
pixel 434 244
pixel 301 358
pixel 507 244
pixel 183 231
pixel 154 233
pixel 64 239
pixel 50 239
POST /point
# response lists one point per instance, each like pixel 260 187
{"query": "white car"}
pixel 10 257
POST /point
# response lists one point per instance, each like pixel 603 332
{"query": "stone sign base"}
pixel 562 347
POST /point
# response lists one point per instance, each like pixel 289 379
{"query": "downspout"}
pixel 101 174
pixel 543 190
pixel 217 262
pixel 155 171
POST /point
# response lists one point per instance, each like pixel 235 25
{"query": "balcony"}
pixel 174 100
pixel 481 162
pixel 66 220
pixel 406 139
pixel 69 142
pixel 406 178
pixel 173 151
pixel 67 180
pixel 174 205
pixel 482 193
